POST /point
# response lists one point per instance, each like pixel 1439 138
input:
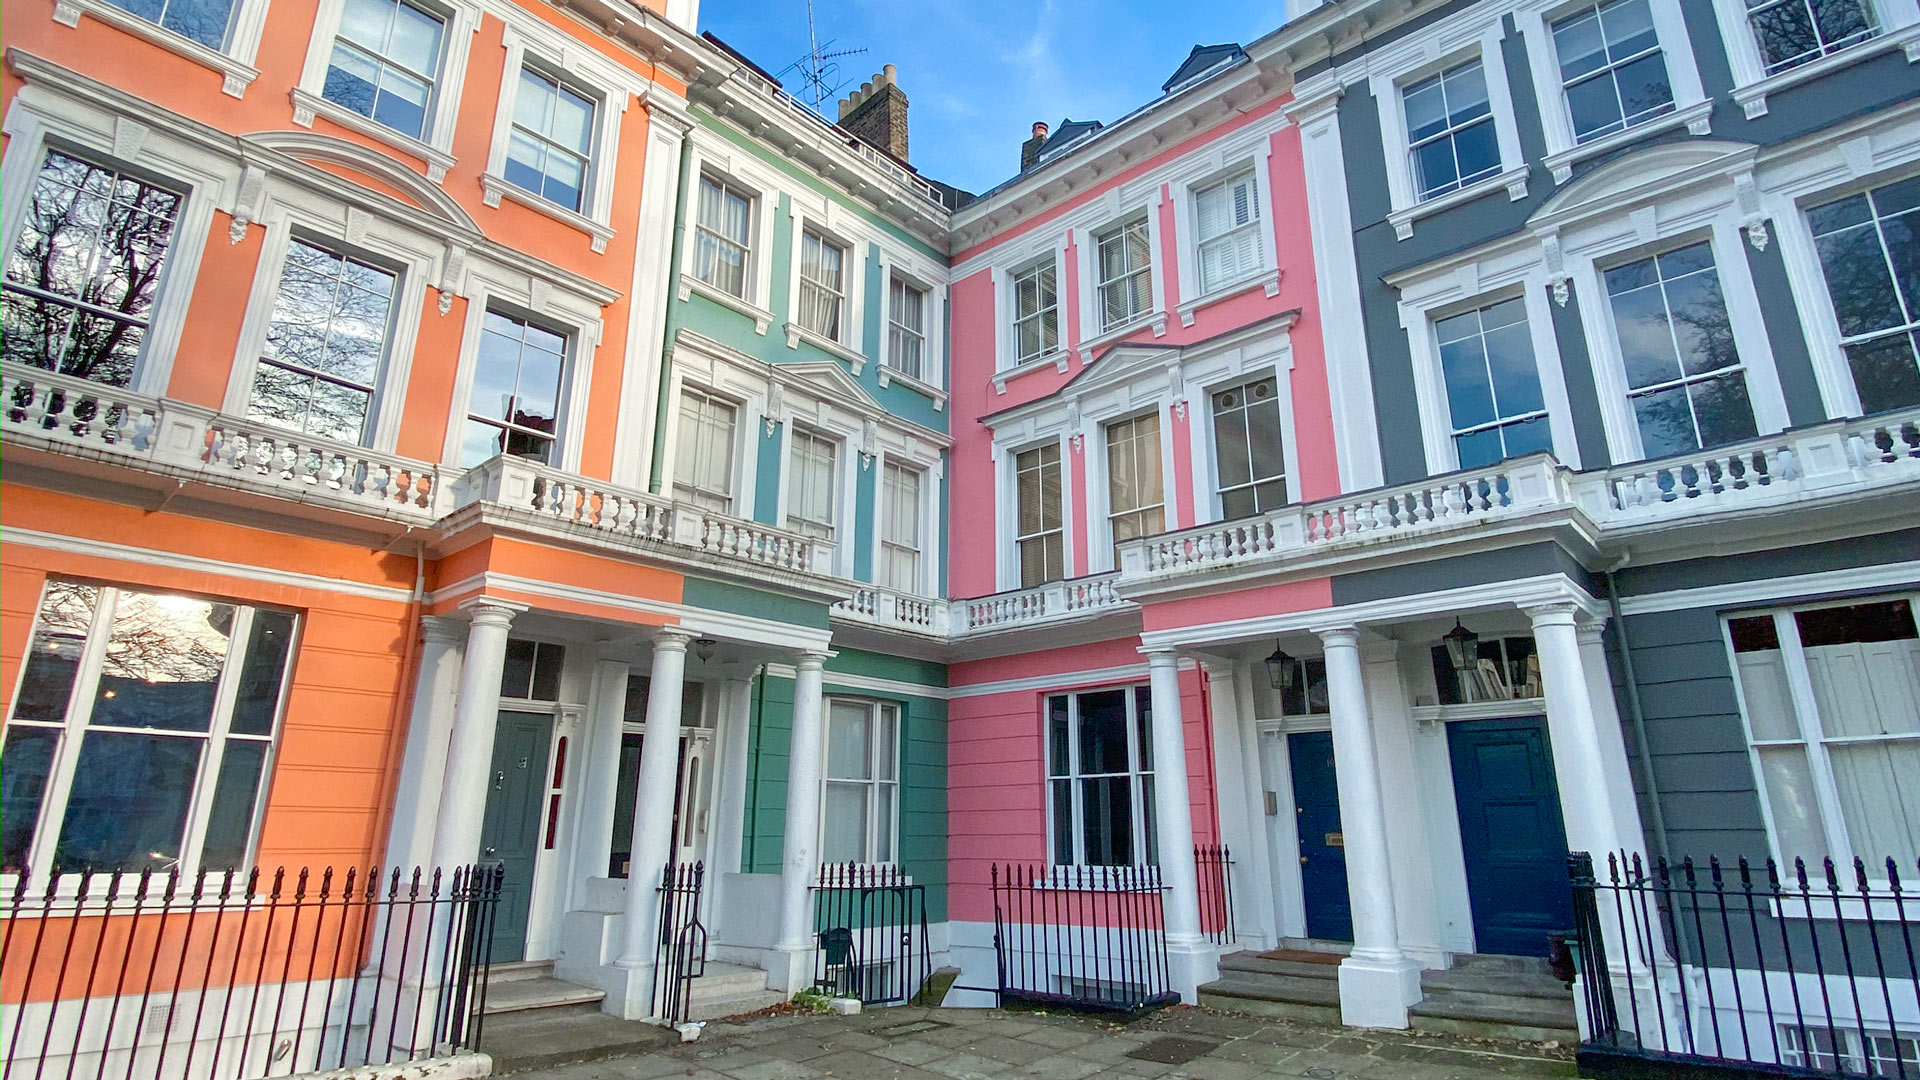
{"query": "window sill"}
pixel 1696 117
pixel 1752 97
pixel 306 106
pixel 762 318
pixel 1268 280
pixel 797 334
pixel 235 76
pixel 888 376
pixel 1056 359
pixel 1155 319
pixel 1514 180
pixel 493 188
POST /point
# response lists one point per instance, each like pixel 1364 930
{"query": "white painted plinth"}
pixel 1376 993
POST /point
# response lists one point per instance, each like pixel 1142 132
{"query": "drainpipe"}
pixel 673 317
pixel 1634 714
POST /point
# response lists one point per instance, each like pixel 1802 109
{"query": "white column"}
pixel 1578 756
pixel 463 798
pixel 1631 833
pixel 600 778
pixel 423 768
pixel 791 966
pixel 652 824
pixel 1191 959
pixel 1377 981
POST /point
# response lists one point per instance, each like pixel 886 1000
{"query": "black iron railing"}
pixel 1080 936
pixel 871 932
pixel 681 954
pixel 1806 972
pixel 246 975
pixel 1215 866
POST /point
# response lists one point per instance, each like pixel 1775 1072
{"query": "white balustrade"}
pixel 730 537
pixel 895 610
pixel 1041 603
pixel 561 497
pixel 77 412
pixel 297 465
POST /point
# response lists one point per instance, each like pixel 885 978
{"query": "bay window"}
pixel 860 810
pixel 1100 778
pixel 85 270
pixel 140 734
pixel 325 344
pixel 1684 374
pixel 1492 384
pixel 1871 259
pixel 1039 533
pixel 1831 697
pixel 1136 497
pixel 1249 456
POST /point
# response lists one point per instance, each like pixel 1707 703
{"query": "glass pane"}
pixel 548 660
pixel 1527 436
pixel 1143 721
pixel 1879 785
pixel 1885 373
pixel 258 696
pixel 1108 832
pixel 1061 792
pixel 53 658
pixel 163 662
pixel 886 744
pixel 1888 621
pixel 416 40
pixel 1463 366
pixel 1666 427
pixel 1103 732
pixel 849 738
pixel 1477 149
pixel 1516 378
pixel 844 830
pixel 1646 338
pixel 1769 701
pixel 1790 797
pixel 1724 412
pixel 1058 763
pixel 516 675
pixel 883 825
pixel 1700 323
pixel 230 822
pixel 128 806
pixel 25 762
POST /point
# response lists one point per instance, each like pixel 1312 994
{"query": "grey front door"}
pixel 510 834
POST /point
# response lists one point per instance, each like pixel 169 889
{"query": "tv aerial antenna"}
pixel 819 69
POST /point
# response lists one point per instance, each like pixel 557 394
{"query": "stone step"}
pixel 727 980
pixel 1468 982
pixel 1255 964
pixel 518 970
pixel 1531 1019
pixel 1523 965
pixel 1302 944
pixel 525 995
pixel 1313 1000
pixel 719 1008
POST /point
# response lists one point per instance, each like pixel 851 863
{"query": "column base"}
pixel 1191 965
pixel 1376 993
pixel 789 968
pixel 629 990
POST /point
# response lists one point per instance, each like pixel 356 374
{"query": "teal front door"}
pixel 1511 832
pixel 1323 854
pixel 510 833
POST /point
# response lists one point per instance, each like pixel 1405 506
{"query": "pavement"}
pixel 989 1044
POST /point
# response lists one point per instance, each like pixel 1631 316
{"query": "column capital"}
pixel 812 659
pixel 440 630
pixel 1217 667
pixel 1339 636
pixel 1161 655
pixel 672 639
pixel 1554 613
pixel 1591 629
pixel 490 611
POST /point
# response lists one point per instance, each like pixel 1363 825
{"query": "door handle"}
pixel 499 781
pixel 487 853
pixel 1303 858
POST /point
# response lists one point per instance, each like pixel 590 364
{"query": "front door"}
pixel 1323 856
pixel 1511 832
pixel 510 832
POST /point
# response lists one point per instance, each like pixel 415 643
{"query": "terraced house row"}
pixel 1236 559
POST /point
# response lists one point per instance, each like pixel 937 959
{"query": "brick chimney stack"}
pixel 1030 150
pixel 877 113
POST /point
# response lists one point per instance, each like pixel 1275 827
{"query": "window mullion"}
pixel 200 805
pixel 1074 786
pixel 1807 711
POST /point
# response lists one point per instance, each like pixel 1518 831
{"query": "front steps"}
pixel 529 985
pixel 1505 997
pixel 729 990
pixel 1294 984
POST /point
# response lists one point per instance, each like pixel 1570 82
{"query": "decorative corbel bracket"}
pixel 1746 195
pixel 1558 280
pixel 869 443
pixel 453 267
pixel 246 201
pixel 776 404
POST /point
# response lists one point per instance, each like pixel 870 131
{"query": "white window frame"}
pixel 1466 283
pixel 925 513
pixel 874 785
pixel 1692 109
pixel 1144 221
pixel 1474 33
pixel 1010 575
pixel 1015 319
pixel 837 226
pixel 435 147
pixel 557 56
pixel 902 285
pixel 42 119
pixel 851 267
pixel 287 210
pixel 1116 212
pixel 1137 751
pixel 1899 29
pixel 1099 496
pixel 79 711
pixel 734 473
pixel 836 523
pixel 561 311
pixel 1020 259
pixel 234 60
pixel 1812 738
pixel 1201 410
pixel 930 278
pixel 849 461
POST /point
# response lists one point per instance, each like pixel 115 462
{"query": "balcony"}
pixel 1842 458
pixel 1052 603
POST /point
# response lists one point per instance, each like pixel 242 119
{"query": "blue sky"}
pixel 977 75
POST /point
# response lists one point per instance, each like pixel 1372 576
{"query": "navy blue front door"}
pixel 1323 855
pixel 1512 833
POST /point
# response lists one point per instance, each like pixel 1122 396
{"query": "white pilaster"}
pixel 1191 959
pixel 1241 804
pixel 463 795
pixel 423 768
pixel 791 968
pixel 600 778
pixel 652 845
pixel 1377 981
pixel 1264 920
pixel 730 796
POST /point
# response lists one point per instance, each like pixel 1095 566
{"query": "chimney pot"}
pixel 1039 129
pixel 891 74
